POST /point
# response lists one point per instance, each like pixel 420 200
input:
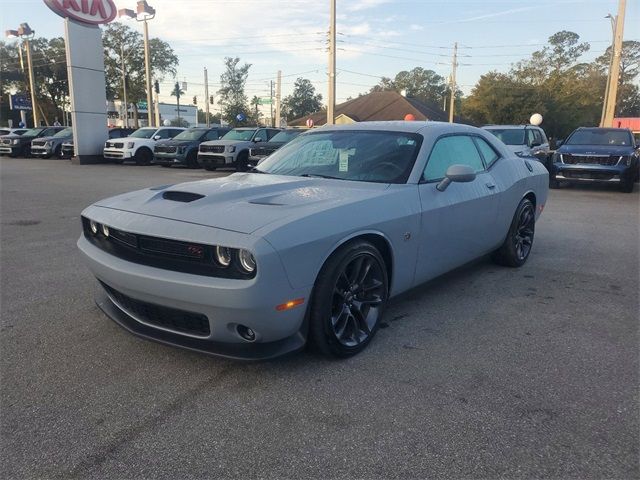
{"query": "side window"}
pixel 487 151
pixel 261 134
pixel 49 132
pixel 454 150
pixel 212 135
pixel 174 132
pixel 529 136
pixel 537 137
pixel 162 134
pixel 272 133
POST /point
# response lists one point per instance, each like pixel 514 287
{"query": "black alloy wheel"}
pixel 143 156
pixel 517 246
pixel 241 162
pixel 349 299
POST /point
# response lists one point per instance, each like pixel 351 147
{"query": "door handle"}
pixel 490 185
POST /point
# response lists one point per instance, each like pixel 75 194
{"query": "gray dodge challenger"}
pixel 309 246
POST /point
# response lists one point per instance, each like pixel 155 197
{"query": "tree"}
pixel 213 118
pixel 233 99
pixel 123 44
pixel 628 102
pixel 177 92
pixel 424 85
pixel 302 101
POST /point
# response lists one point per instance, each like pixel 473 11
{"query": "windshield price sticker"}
pixel 343 166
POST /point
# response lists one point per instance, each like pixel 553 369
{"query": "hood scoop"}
pixel 184 197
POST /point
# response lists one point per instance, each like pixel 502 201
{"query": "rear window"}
pixel 509 136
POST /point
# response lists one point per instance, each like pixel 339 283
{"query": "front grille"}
pixel 590 159
pixel 6 142
pixel 118 145
pixel 165 149
pixel 213 160
pixel 165 317
pixel 36 143
pixel 212 148
pixel 262 152
pixel 588 175
pixel 113 155
pixel 175 255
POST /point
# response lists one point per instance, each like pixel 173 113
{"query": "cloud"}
pixel 415 27
pixel 489 15
pixel 365 4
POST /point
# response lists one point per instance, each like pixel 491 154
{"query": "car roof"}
pixel 510 127
pixel 403 126
pixel 609 129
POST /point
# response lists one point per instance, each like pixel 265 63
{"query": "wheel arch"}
pixel 377 239
pixel 531 196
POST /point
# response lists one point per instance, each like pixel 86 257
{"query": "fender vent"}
pixel 185 197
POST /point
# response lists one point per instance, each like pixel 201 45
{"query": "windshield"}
pixel 509 136
pixel 286 136
pixel 64 133
pixel 240 134
pixel 190 134
pixel 32 132
pixel 367 156
pixel 599 137
pixel 143 133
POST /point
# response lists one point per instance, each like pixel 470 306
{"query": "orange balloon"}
pixel 409 117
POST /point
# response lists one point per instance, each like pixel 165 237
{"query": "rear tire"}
pixel 517 246
pixel 348 300
pixel 143 156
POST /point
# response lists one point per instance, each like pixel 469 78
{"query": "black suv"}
pixel 20 145
pixel 116 132
pixel 183 148
pixel 597 155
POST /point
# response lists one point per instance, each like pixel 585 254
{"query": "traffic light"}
pixel 195 100
pixel 156 86
pixel 211 99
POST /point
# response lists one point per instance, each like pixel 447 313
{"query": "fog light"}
pixel 105 230
pixel 94 227
pixel 246 333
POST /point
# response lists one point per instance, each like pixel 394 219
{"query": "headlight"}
pixel 105 230
pixel 48 144
pixel 231 149
pixel 15 141
pixel 247 262
pixel 557 158
pixel 625 159
pixel 131 144
pixel 223 256
pixel 106 144
pixel 93 226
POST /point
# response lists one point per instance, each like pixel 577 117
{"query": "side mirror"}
pixel 535 144
pixel 559 143
pixel 456 173
pixel 257 139
pixel 157 137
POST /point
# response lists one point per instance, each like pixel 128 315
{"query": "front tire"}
pixel 241 162
pixel 143 156
pixel 517 246
pixel 348 301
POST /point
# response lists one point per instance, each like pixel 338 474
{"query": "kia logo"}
pixel 92 12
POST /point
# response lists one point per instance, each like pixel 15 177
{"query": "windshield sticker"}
pixel 344 161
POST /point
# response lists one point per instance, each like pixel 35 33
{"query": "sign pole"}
pixel 31 84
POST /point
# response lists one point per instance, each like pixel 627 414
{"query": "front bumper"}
pixel 215 160
pixel 587 173
pixel 10 150
pixel 113 154
pixel 169 158
pixel 37 151
pixel 226 303
pixel 67 151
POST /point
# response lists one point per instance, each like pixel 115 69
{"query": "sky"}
pixel 375 37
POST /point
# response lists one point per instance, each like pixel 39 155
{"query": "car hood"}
pixel 54 139
pixel 11 136
pixel 243 202
pixel 177 143
pixel 597 149
pixel 230 142
pixel 518 148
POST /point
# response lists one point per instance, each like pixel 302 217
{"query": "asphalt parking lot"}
pixel 486 372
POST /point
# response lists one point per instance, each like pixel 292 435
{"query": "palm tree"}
pixel 177 92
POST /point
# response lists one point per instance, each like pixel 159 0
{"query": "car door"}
pixel 459 223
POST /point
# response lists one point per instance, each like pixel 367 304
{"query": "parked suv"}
pixel 68 150
pixel 597 155
pixel 20 145
pixel 47 147
pixel 232 150
pixel 183 148
pixel 523 140
pixel 259 152
pixel 139 145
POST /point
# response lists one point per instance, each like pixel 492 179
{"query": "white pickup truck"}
pixel 139 145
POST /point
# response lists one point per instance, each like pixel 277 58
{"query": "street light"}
pixel 25 33
pixel 143 13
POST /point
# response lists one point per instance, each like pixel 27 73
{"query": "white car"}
pixel 138 146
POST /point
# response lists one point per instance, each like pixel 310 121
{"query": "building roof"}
pixel 378 106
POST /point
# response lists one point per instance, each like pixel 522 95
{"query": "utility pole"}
pixel 454 65
pixel 124 88
pixel 614 72
pixel 606 91
pixel 32 87
pixel 147 67
pixel 331 105
pixel 271 104
pixel 156 87
pixel 206 97
pixel 278 97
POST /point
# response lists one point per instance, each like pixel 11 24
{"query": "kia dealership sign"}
pixel 91 12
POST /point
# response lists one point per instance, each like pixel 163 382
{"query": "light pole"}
pixel 25 33
pixel 143 13
pixel 124 88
